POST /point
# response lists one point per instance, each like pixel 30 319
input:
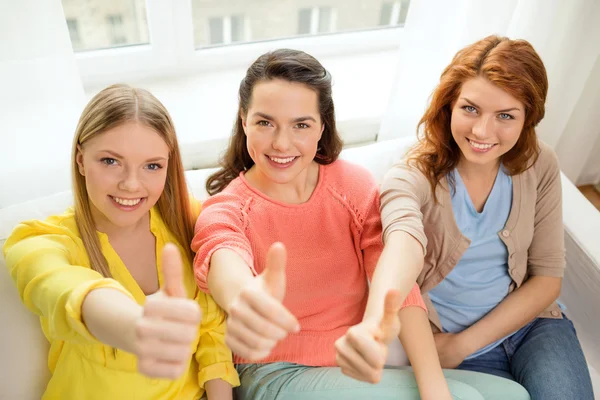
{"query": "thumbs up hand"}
pixel 361 353
pixel 257 318
pixel 169 324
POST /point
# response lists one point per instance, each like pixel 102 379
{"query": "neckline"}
pixel 129 281
pixel 307 203
pixel 466 194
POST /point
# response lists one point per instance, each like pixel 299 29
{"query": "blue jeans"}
pixel 545 357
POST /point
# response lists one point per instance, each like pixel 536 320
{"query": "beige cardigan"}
pixel 533 233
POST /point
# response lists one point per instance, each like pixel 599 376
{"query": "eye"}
pixel 108 161
pixel 302 125
pixel 505 116
pixel 154 167
pixel 263 123
pixel 469 109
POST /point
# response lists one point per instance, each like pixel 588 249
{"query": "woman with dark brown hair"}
pixel 474 215
pixel 298 315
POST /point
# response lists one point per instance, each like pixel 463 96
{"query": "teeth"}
pixel 126 202
pixel 282 160
pixel 480 146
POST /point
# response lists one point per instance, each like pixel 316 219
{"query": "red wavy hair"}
pixel 513 66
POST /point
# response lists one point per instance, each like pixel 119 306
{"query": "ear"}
pixel 79 160
pixel 244 121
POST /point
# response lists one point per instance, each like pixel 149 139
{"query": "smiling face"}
pixel 486 122
pixel 125 169
pixel 283 128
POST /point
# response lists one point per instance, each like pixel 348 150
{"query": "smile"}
pixel 280 160
pixel 127 204
pixel 480 147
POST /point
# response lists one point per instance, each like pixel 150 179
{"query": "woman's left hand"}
pixel 451 349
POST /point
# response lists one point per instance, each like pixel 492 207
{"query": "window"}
pixel 116 31
pixel 226 30
pixel 123 40
pixel 316 20
pixel 96 24
pixel 74 33
pixel 393 12
pixel 276 19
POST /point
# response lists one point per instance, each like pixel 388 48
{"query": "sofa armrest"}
pixel 581 284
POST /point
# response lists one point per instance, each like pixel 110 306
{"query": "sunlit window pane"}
pixel 257 20
pixel 101 24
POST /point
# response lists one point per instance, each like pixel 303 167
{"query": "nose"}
pixel 130 181
pixel 283 140
pixel 482 127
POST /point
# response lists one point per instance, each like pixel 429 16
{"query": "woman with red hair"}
pixel 474 215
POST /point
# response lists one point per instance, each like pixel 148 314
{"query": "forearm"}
pixel 398 267
pixel 417 341
pixel 218 389
pixel 514 312
pixel 227 275
pixel 111 317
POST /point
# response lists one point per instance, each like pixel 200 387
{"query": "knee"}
pixel 463 391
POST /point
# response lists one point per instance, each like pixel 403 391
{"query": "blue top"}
pixel 480 280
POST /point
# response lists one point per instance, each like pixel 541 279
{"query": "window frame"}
pixel 172 50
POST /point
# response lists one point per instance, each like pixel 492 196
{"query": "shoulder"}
pixel 235 194
pixel 545 170
pixel 230 205
pixel 352 184
pixel 349 175
pixel 547 160
pixel 402 178
pixel 55 231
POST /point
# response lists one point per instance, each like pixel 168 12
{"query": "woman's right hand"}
pixel 361 353
pixel 168 325
pixel 257 318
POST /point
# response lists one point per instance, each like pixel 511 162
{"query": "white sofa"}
pixel 23 348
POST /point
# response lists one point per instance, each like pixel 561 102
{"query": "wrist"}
pixel 467 342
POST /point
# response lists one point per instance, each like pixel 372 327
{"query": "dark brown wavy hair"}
pixel 513 66
pixel 291 66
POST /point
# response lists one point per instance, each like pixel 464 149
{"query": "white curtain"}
pixel 566 34
pixel 41 97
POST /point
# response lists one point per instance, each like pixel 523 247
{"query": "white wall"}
pixel 41 97
pixel 578 141
pixel 42 94
pixel 204 106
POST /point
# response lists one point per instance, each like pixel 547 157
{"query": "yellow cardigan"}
pixel 49 265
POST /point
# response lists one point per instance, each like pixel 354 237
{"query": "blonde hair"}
pixel 111 107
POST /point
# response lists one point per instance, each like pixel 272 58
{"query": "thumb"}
pixel 390 322
pixel 172 269
pixel 274 273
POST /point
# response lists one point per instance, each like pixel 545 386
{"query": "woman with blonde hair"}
pixel 111 279
pixel 475 217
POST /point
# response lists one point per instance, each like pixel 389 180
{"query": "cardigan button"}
pixel 506 233
pixel 554 313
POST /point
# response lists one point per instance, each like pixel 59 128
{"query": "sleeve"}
pixel 213 356
pixel 49 283
pixel 414 299
pixel 221 225
pixel 546 255
pixel 403 192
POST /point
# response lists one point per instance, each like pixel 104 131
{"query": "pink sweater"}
pixel 333 243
